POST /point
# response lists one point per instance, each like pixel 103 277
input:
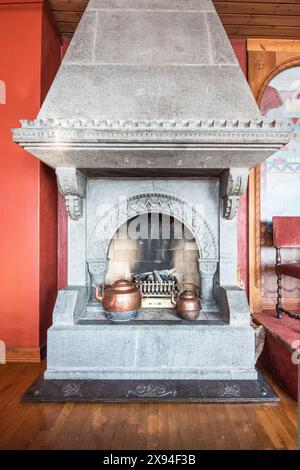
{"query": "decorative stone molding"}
pixel 74 207
pixel 203 123
pixel 230 207
pixel 233 184
pixel 72 184
pixel 208 268
pixel 108 223
pixel 206 132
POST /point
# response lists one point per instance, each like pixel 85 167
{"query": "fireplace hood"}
pixel 150 84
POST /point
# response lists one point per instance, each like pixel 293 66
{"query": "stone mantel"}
pixel 203 144
pixel 207 144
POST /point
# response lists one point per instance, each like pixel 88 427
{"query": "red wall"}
pixel 239 47
pixel 62 267
pixel 50 62
pixel 28 200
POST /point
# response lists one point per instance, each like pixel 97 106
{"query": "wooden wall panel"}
pixel 241 18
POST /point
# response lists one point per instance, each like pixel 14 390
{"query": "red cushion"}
pixel 292 269
pixel 286 232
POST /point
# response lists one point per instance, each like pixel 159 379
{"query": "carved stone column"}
pixel 72 184
pixel 97 271
pixel 207 269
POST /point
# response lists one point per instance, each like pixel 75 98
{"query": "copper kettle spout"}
pixel 97 295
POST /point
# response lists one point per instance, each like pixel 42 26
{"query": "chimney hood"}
pixel 150 84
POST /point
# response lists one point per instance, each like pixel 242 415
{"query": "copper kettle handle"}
pixel 173 297
pixel 187 283
pixel 101 286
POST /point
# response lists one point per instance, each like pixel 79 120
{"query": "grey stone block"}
pixel 142 158
pixel 233 303
pixel 219 46
pixel 149 92
pixel 81 48
pixel 164 352
pixel 117 66
pixel 195 5
pixel 69 305
pixel 119 38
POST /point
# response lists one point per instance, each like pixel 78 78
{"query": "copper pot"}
pixel 187 303
pixel 121 300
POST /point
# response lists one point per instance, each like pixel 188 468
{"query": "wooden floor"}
pixel 139 426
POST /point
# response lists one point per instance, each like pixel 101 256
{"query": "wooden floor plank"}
pixel 129 426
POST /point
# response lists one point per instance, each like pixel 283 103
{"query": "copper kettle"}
pixel 187 303
pixel 121 300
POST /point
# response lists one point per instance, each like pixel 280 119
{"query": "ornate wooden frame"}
pixel 283 66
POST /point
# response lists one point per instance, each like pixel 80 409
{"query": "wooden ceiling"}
pixel 241 18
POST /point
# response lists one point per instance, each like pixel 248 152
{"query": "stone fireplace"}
pixel 151 118
pixel 133 199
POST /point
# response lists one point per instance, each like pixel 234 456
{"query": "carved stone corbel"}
pixel 72 184
pixel 233 184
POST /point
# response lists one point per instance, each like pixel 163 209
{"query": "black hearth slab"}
pixel 97 391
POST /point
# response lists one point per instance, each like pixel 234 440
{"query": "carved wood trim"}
pixel 254 240
pixel 282 66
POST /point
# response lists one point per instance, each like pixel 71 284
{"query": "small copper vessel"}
pixel 121 300
pixel 187 303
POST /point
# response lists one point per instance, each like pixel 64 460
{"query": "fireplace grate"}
pixel 156 293
pixel 156 288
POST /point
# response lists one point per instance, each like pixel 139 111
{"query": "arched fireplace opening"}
pixel 157 251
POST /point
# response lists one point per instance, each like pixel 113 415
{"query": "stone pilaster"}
pixel 97 270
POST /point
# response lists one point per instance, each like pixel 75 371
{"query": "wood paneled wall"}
pixel 260 18
pixel 241 18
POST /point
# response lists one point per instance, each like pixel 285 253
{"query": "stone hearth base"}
pixel 96 391
pixel 142 351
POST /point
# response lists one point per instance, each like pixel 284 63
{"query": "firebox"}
pixel 156 251
pixel 153 233
pixel 151 128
